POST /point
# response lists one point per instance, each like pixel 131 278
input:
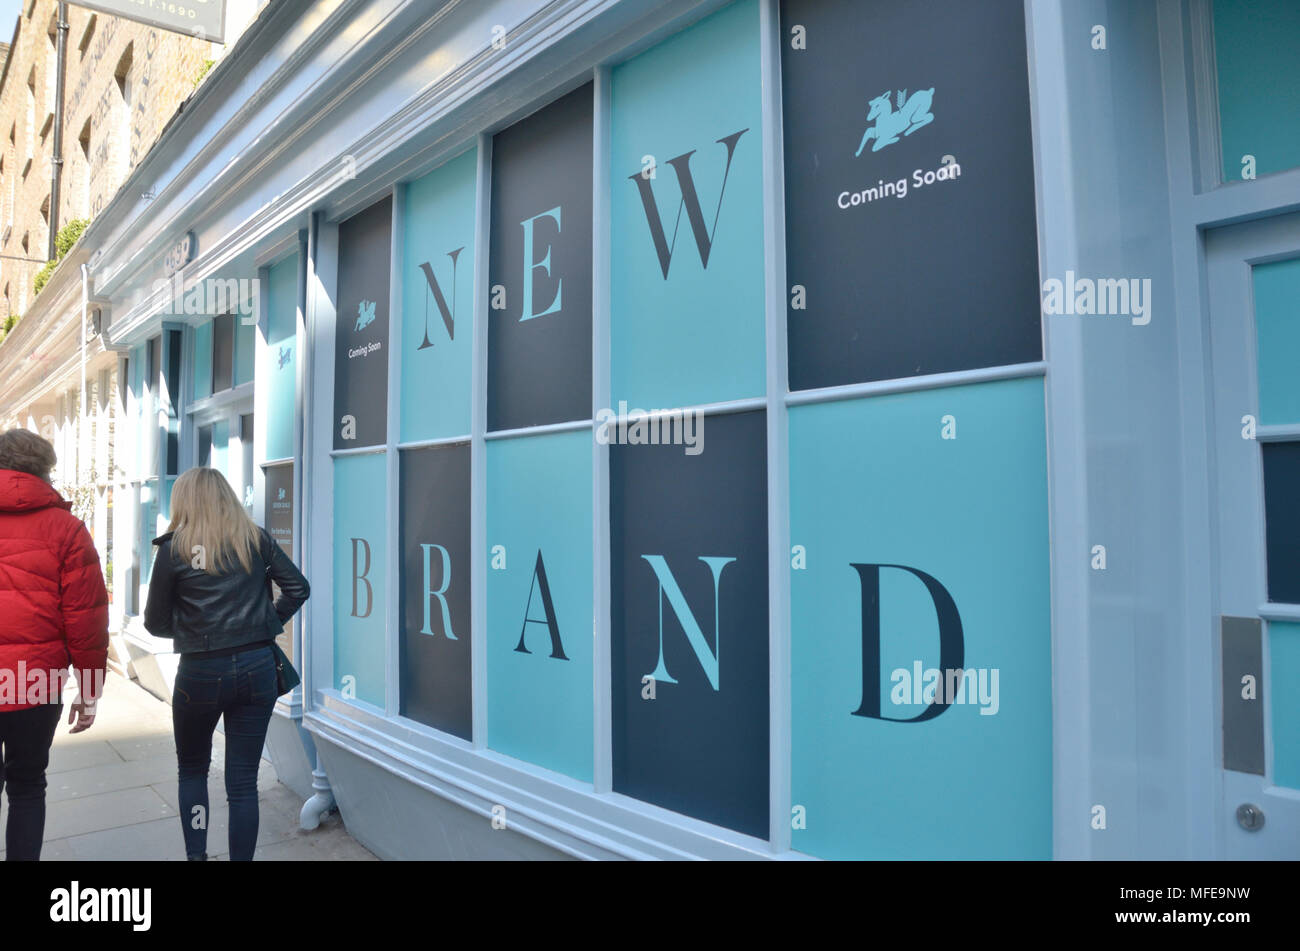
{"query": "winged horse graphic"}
pixel 912 114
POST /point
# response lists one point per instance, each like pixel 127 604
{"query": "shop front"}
pixel 746 429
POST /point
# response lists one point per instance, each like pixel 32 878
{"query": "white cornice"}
pixel 442 114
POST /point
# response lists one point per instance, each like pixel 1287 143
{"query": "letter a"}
pixel 539 582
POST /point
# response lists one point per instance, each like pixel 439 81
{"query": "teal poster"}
pixel 438 301
pixel 920 629
pixel 686 218
pixel 360 543
pixel 282 349
pixel 539 600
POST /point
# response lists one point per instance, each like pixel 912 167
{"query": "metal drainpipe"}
pixel 56 160
pixel 81 421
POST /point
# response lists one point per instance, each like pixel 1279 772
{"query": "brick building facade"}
pixel 123 82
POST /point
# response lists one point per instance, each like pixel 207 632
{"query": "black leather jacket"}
pixel 205 612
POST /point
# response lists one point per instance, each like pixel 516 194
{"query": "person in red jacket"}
pixel 53 611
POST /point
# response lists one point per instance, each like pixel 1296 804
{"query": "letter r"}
pixel 439 593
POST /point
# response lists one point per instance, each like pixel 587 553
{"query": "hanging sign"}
pixel 205 19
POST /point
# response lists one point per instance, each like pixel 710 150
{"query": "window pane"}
pixel 281 372
pixel 360 547
pixel 361 335
pixel 171 393
pixel 437 301
pixel 1277 339
pixel 205 446
pixel 435 623
pixel 223 353
pixel 1255 43
pixel 1284 657
pixel 245 338
pixel 246 456
pixel 202 360
pixel 1282 520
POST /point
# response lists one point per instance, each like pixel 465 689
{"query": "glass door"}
pixel 1254 292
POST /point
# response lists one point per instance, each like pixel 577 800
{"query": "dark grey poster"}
pixel 435 635
pixel 361 334
pixel 278 516
pixel 279 505
pixel 690 633
pixel 911 237
pixel 539 301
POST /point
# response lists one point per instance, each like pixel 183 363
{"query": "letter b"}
pixel 359 577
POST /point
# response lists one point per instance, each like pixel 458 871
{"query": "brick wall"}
pixel 123 83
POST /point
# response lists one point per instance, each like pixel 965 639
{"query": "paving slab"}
pixel 112 794
pixel 122 807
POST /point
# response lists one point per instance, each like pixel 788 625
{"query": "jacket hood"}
pixel 24 492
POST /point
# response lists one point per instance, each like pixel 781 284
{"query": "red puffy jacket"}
pixel 53 606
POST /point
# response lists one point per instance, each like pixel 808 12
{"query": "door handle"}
pixel 1250 817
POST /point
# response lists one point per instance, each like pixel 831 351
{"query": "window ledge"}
pixel 560 812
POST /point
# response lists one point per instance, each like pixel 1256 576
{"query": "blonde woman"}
pixel 208 592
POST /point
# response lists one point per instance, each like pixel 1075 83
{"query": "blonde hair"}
pixel 208 522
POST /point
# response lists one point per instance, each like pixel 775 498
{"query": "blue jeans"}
pixel 242 689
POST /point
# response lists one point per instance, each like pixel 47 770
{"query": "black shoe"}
pixel 197 858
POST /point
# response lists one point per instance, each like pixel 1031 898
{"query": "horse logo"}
pixel 365 314
pixel 280 496
pixel 912 114
pixel 283 358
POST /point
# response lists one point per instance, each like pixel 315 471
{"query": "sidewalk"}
pixel 112 793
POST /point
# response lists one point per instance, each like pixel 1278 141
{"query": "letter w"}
pixel 690 201
pixel 677 601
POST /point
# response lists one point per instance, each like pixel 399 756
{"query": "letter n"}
pixel 448 313
pixel 544 589
pixel 709 659
pixel 952 647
